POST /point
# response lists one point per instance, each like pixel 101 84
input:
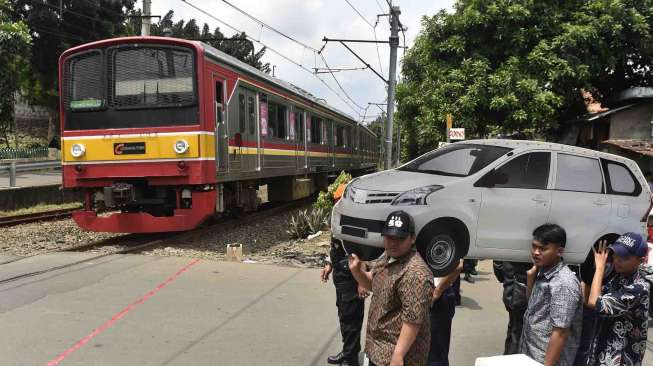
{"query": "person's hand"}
pixel 601 255
pixel 396 361
pixel 362 292
pixel 533 271
pixel 326 271
pixel 354 263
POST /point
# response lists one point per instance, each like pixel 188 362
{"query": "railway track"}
pixel 36 217
pixel 141 242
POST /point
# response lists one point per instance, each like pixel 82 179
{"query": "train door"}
pixel 221 132
pixel 249 144
pixel 297 122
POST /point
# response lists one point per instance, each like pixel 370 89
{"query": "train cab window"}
pixel 277 120
pixel 242 113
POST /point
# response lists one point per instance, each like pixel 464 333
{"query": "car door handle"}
pixel 600 203
pixel 540 200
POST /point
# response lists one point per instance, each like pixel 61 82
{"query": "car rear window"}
pixel 457 160
pixel 620 179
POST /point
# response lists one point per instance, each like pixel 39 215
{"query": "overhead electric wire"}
pixel 357 12
pixel 378 55
pixel 379 4
pixel 278 53
pixel 306 46
pixel 68 11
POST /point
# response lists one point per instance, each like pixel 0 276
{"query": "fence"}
pixel 23 153
pixel 12 168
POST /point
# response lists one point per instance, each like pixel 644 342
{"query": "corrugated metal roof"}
pixel 595 116
pixel 637 146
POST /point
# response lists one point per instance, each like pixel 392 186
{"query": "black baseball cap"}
pixel 399 224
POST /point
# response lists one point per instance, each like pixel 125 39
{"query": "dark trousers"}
pixel 469 265
pixel 351 310
pixel 513 335
pixel 442 313
pixel 589 325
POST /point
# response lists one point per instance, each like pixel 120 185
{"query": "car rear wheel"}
pixel 440 250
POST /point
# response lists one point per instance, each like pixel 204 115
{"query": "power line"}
pixel 69 11
pixel 39 29
pixel 379 4
pixel 265 25
pixel 306 46
pixel 357 12
pixel 280 54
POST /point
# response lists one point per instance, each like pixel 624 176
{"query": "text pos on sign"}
pixel 456 133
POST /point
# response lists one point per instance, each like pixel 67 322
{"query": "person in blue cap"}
pixel 622 304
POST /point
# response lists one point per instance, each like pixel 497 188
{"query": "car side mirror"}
pixel 491 179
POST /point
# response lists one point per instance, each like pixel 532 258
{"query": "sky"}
pixel 308 21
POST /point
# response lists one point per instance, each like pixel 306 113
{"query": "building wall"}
pixel 31 120
pixel 632 123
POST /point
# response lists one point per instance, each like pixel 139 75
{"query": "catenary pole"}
pixel 394 43
pixel 145 22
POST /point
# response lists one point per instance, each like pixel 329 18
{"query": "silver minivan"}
pixel 483 199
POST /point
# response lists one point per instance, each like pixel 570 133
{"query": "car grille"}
pixel 384 197
pixel 374 226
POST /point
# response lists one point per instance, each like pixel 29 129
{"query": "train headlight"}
pixel 77 150
pixel 181 146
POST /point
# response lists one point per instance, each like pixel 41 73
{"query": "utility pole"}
pixel 145 22
pixel 394 43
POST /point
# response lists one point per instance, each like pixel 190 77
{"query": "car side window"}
pixel 578 174
pixel 527 171
pixel 620 179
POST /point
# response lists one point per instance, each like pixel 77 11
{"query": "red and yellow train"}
pixel 167 132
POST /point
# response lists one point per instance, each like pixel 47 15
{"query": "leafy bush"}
pixel 325 199
pixel 307 222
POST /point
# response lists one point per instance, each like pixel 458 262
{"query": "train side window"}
pixel 316 130
pixel 251 107
pixel 299 124
pixel 277 120
pixel 242 113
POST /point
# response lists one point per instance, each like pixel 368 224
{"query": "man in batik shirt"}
pixel 622 304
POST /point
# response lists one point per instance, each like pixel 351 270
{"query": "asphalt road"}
pixel 27 179
pixel 137 310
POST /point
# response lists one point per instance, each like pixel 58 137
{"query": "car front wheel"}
pixel 440 250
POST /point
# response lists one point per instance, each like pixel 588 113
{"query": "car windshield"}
pixel 456 160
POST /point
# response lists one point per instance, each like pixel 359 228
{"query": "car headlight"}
pixel 181 146
pixel 415 196
pixel 77 150
pixel 350 190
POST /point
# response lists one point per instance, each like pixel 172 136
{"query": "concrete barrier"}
pixel 24 197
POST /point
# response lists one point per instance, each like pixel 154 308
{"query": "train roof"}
pixel 289 87
pixel 222 57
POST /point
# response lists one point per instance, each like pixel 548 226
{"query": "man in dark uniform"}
pixel 350 301
pixel 513 277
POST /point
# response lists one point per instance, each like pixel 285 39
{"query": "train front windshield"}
pixel 130 87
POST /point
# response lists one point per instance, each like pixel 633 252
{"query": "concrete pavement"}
pixel 138 310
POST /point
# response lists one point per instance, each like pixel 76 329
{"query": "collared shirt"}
pixel 401 292
pixel 555 301
pixel 620 337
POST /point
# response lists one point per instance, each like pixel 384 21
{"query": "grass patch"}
pixel 40 208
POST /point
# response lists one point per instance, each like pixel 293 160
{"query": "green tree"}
pixel 57 25
pixel 14 51
pixel 506 66
pixel 237 45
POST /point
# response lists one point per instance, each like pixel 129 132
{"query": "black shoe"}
pixel 349 363
pixel 337 359
pixel 468 277
pixel 473 272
